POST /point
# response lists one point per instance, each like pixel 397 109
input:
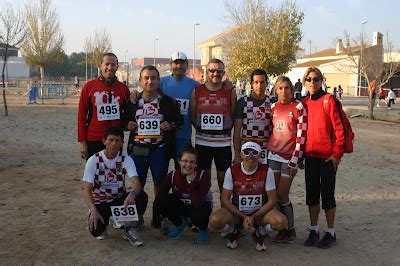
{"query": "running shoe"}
pixel 233 239
pixel 312 240
pixel 279 238
pixel 327 241
pixel 103 235
pixel 202 237
pixel 290 236
pixel 225 231
pixel 177 231
pixel 132 236
pixel 258 242
pixel 115 224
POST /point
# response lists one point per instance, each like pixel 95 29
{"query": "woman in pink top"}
pixel 286 147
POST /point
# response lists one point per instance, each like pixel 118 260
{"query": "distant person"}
pixel 242 87
pixel 391 98
pixel 322 156
pixel 304 92
pixel 100 106
pixel 381 94
pixel 340 92
pixel 249 197
pixel 297 89
pixel 334 93
pixel 76 82
pixel 190 196
pixel 104 186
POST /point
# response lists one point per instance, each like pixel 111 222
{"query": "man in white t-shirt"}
pixel 104 186
pixel 249 196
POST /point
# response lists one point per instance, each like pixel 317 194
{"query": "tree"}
pixel 12 34
pixel 263 37
pixel 44 42
pixel 368 61
pixel 98 45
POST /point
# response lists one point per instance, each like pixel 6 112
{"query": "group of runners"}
pixel 270 142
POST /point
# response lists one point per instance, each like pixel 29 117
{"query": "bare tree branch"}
pixel 12 34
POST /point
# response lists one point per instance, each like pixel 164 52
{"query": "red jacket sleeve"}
pixel 82 113
pixel 338 129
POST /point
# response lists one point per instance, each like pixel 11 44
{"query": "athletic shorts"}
pixel 222 157
pixel 382 97
pixel 279 167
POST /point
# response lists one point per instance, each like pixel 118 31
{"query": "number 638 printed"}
pixel 119 213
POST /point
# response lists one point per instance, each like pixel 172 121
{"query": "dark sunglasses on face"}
pixel 315 79
pixel 247 152
pixel 219 71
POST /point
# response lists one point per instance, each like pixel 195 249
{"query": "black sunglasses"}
pixel 315 79
pixel 219 71
pixel 247 152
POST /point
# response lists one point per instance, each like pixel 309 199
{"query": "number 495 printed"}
pixel 119 213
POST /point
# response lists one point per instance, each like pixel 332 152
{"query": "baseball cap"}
pixel 178 56
pixel 251 145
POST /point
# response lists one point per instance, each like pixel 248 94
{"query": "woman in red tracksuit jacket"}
pixel 322 156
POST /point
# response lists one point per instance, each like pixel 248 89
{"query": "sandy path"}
pixel 43 213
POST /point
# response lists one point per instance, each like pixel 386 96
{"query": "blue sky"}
pixel 133 25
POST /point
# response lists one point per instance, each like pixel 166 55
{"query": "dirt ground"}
pixel 43 214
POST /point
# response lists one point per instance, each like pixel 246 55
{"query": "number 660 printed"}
pixel 119 213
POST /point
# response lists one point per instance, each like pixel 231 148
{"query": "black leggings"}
pixel 320 182
pixel 174 209
pixel 105 210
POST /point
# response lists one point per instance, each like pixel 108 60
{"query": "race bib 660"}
pixel 212 121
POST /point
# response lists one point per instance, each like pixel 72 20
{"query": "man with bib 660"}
pixel 249 196
pixel 104 189
pixel 212 105
pixel 253 116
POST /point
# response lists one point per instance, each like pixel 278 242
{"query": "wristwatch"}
pixel 133 193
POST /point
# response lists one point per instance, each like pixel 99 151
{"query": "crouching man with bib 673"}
pixel 249 197
pixel 104 189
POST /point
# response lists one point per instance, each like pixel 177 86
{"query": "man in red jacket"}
pixel 322 156
pixel 100 106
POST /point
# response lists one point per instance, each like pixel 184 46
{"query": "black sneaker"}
pixel 312 240
pixel 327 241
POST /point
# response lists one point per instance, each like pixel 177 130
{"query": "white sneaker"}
pixel 225 231
pixel 133 237
pixel 103 236
pixel 115 224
